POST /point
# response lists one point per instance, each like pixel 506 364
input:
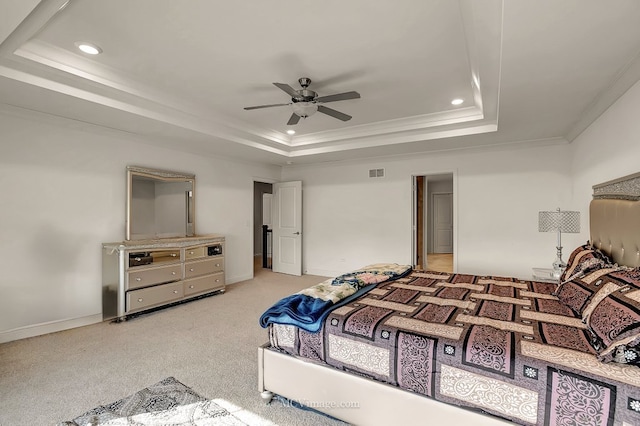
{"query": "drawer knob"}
pixel 173 255
pixel 191 269
pixel 217 265
pixel 217 280
pixel 173 272
pixel 140 299
pixel 175 291
pixel 138 279
pixel 190 252
pixel 191 286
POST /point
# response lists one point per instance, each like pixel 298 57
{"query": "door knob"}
pixel 296 233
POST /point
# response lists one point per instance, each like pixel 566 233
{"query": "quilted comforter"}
pixel 308 308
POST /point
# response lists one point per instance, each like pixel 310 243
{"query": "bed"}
pixel 406 345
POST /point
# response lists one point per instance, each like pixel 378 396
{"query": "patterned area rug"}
pixel 167 402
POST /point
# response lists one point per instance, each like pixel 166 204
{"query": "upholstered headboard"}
pixel 614 217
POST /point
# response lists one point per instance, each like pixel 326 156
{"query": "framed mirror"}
pixel 160 204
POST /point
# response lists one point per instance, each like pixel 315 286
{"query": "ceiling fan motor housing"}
pixel 306 95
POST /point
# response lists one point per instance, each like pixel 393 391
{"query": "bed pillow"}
pixel 584 259
pixel 624 353
pixel 613 316
pixel 579 293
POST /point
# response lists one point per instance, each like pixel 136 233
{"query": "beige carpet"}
pixel 209 344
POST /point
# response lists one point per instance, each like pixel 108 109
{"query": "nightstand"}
pixel 545 275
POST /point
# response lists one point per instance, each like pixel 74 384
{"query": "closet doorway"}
pixel 433 221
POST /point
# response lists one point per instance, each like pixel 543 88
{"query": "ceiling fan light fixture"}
pixel 88 48
pixel 304 103
pixel 304 109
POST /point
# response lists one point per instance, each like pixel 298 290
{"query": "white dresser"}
pixel 147 274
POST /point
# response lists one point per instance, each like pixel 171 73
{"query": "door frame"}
pixel 414 230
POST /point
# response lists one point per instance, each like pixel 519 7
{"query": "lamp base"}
pixel 558 265
pixel 556 272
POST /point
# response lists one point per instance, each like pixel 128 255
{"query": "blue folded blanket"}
pixel 308 308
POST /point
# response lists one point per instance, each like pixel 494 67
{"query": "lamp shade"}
pixel 559 221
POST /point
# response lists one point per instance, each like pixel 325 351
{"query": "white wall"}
pixel 63 194
pixel 351 220
pixel 608 149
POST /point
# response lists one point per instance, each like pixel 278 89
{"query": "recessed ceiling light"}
pixel 88 48
pixel 291 132
pixel 457 101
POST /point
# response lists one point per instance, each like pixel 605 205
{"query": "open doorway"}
pixel 277 227
pixel 433 222
pixel 262 193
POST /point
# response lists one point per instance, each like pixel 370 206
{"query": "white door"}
pixel 443 223
pixel 287 227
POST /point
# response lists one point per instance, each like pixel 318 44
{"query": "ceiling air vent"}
pixel 376 173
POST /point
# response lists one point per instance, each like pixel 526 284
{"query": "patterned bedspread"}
pixel 501 345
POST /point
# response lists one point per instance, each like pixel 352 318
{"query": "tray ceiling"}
pixel 529 71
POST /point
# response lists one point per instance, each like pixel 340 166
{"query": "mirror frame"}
pixel 163 176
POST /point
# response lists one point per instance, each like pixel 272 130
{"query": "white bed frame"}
pixel 319 386
pixel 376 403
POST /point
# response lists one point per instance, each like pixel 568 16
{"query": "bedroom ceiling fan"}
pixel 306 102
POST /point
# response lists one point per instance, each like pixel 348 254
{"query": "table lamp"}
pixel 559 221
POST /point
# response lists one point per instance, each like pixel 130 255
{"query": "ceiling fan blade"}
pixel 264 106
pixel 290 90
pixel 333 113
pixel 293 119
pixel 339 97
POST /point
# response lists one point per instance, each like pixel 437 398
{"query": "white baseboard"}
pixel 48 327
pixel 323 272
pixel 238 278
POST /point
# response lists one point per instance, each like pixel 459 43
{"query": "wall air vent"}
pixel 376 173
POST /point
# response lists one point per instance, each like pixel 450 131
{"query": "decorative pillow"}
pixel 584 259
pixel 613 317
pixel 578 293
pixel 622 353
pixel 630 276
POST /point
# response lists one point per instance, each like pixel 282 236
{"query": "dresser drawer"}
pixel 203 267
pixel 203 284
pixel 194 252
pixel 160 256
pixel 152 296
pixel 145 277
pixel 153 257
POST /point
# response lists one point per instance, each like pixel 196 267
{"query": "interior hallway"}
pixel 441 262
